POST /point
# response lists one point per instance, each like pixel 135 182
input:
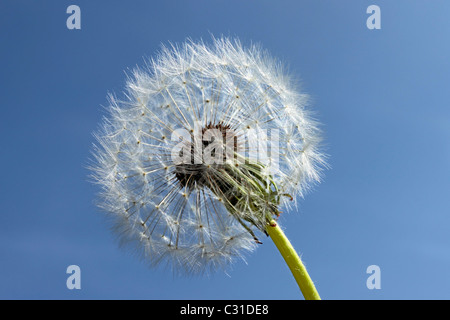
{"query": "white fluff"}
pixel 198 83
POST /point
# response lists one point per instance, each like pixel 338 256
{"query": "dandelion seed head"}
pixel 172 203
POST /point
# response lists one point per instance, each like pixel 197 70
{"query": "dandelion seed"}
pixel 183 161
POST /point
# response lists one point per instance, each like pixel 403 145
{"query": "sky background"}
pixel 383 97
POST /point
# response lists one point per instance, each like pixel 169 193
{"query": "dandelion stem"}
pixel 293 261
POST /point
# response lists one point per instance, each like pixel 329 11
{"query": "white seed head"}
pixel 200 215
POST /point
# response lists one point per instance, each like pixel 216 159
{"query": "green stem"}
pixel 293 261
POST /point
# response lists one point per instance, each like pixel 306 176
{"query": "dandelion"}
pixel 208 145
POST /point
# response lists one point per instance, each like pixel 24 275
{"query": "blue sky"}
pixel 382 96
